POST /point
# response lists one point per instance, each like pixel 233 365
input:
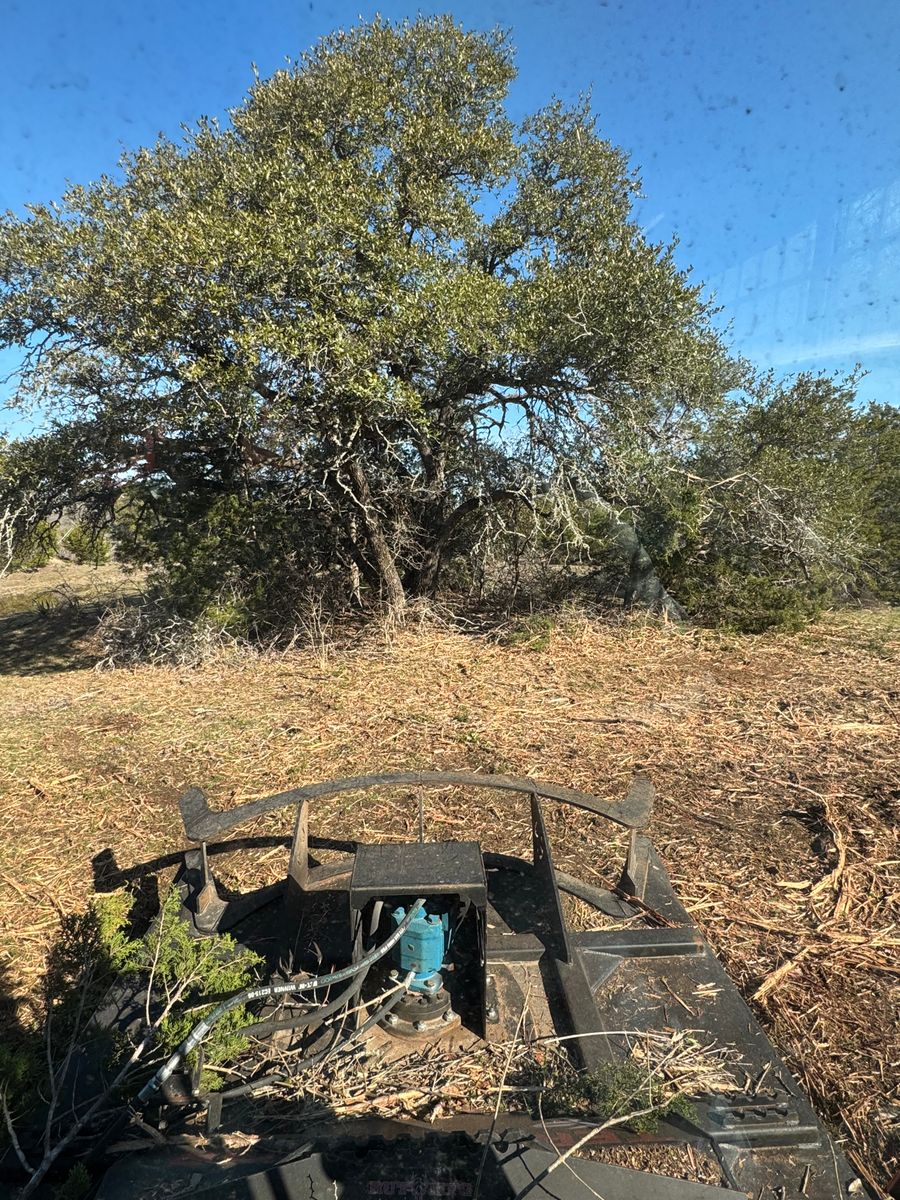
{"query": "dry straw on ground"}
pixel 775 760
pixel 373 1079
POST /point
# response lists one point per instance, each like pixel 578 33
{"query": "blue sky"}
pixel 766 134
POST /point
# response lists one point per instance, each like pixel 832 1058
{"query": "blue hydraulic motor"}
pixel 422 949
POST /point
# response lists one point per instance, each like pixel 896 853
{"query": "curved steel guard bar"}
pixel 202 824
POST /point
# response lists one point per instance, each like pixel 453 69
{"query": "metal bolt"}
pixel 492 1014
pixel 418 1026
pixel 447 1016
pixel 395 974
pixel 489 980
pixel 391 1019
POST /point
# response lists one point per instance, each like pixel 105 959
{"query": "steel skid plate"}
pixel 432 1166
pixel 649 970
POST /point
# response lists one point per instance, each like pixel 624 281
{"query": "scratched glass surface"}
pixel 765 134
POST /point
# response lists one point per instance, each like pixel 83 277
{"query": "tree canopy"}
pixel 372 327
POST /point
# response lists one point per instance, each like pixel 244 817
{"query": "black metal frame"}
pixel 768 1142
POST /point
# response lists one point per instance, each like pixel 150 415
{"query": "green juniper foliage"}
pixel 179 973
pixel 875 452
pixel 211 967
pixel 612 1092
pixel 372 336
pixel 87 544
pixel 216 963
pixel 96 946
pixel 76 1184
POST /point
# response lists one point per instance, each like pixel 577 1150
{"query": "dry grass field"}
pixel 775 760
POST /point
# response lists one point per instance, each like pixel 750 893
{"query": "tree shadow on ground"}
pixel 36 643
pixel 20 1075
pixel 51 1036
pixel 55 636
pixel 95 1011
pixel 48 615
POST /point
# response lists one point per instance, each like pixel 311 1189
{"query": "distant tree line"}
pixel 374 341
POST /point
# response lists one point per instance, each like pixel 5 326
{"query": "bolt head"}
pixel 395 974
pixel 418 1026
pixel 492 1014
pixel 391 1019
pixel 447 1016
pixel 489 980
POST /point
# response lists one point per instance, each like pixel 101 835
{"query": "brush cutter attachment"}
pixel 485 956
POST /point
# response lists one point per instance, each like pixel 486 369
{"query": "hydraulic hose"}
pixel 380 1013
pixel 202 1028
pixel 310 1020
pixel 340 1044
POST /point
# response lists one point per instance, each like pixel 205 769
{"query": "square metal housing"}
pixel 418 869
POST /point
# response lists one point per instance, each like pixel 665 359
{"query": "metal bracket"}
pixel 201 823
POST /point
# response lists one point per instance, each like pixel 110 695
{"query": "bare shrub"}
pixel 315 628
pixel 149 631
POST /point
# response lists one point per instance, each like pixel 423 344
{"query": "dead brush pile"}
pixel 529 1073
pixel 775 760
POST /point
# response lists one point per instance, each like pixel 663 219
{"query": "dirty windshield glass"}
pixel 449 569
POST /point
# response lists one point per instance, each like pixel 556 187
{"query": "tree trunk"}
pixel 424 580
pixel 428 575
pixel 377 541
pixel 355 583
pixel 442 538
pixel 643 586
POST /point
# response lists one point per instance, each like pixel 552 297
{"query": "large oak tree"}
pixel 360 321
pixel 372 295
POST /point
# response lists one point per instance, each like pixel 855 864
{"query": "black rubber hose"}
pixel 265 992
pixel 380 1013
pixel 247 1089
pixel 309 1020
